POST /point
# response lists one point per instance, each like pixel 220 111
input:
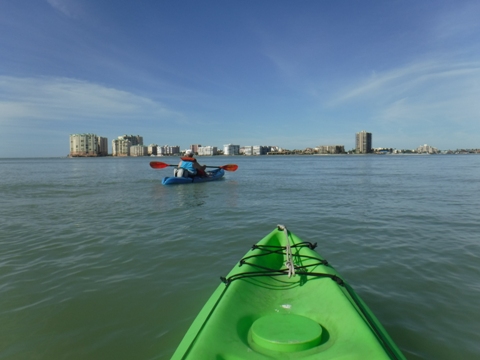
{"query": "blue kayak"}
pixel 216 174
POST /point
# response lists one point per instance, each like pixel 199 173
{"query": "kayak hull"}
pixel 214 175
pixel 260 312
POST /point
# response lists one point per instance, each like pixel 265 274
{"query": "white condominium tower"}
pixel 88 145
pixel 231 149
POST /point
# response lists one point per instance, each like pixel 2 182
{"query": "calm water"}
pixel 98 260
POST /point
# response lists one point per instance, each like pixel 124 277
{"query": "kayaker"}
pixel 189 163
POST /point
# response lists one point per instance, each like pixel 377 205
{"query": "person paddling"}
pixel 190 164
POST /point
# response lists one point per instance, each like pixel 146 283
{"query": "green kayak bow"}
pixel 284 301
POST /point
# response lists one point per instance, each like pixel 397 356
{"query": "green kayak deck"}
pixel 268 309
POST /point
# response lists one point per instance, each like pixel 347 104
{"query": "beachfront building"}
pixel 207 150
pixel 152 149
pixel 363 142
pixel 261 150
pixel 138 150
pixel 88 145
pixel 256 150
pixel 330 149
pixel 427 149
pixel 195 147
pixel 102 146
pixel 168 150
pixel 121 147
pixel 134 139
pixel 231 149
pixel 247 150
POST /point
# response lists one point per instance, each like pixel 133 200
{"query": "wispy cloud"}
pixel 459 22
pixel 63 99
pixel 430 90
pixel 70 8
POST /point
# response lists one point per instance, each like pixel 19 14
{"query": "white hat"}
pixel 189 152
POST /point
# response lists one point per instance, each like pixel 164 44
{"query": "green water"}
pixel 98 260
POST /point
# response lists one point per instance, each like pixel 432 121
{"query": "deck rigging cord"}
pixel 290 268
pixel 288 252
pixel 303 270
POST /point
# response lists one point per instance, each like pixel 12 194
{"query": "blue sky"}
pixel 294 74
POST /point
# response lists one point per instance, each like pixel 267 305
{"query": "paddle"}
pixel 162 165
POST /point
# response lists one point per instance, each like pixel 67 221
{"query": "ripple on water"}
pixel 118 267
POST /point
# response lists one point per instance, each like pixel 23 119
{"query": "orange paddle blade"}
pixel 158 165
pixel 229 167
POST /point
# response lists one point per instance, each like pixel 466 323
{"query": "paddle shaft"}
pixel 162 165
pixel 216 167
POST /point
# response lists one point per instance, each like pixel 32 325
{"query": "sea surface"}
pixel 98 260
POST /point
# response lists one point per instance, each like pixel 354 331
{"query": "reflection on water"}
pixel 195 195
pixel 190 195
pixel 180 196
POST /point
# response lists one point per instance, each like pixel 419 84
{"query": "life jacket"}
pixel 187 164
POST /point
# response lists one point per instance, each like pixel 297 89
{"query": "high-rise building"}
pixel 138 150
pixel 194 148
pixel 256 150
pixel 427 149
pixel 88 145
pixel 363 142
pixel 121 147
pixel 134 139
pixel 207 150
pixel 152 149
pixel 168 150
pixel 247 150
pixel 102 146
pixel 231 149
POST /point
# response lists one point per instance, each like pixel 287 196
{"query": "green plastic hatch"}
pixel 286 332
